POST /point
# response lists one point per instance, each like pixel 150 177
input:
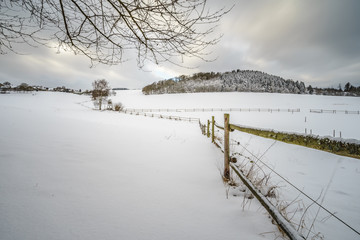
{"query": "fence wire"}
pixel 260 164
pixel 258 159
pixel 176 118
pixel 290 110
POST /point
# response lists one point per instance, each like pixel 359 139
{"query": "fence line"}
pixel 290 110
pixel 343 148
pixel 299 190
pixel 282 222
pixel 214 110
pixel 177 118
pixel 333 111
pixel 274 213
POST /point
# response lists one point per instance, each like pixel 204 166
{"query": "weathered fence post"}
pixel 226 146
pixel 208 128
pixel 212 129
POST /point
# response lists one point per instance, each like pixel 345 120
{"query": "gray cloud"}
pixel 304 40
pixel 313 41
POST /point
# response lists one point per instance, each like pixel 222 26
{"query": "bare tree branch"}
pixel 103 30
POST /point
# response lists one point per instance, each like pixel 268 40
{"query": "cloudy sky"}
pixel 317 42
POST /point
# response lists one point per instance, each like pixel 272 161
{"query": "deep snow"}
pixel 310 170
pixel 69 172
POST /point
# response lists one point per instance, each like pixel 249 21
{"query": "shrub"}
pixel 119 107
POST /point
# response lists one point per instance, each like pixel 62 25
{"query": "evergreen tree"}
pixel 347 87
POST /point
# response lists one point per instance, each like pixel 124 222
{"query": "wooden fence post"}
pixel 208 128
pixel 226 146
pixel 212 129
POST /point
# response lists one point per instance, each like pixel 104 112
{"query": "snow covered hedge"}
pixel 333 145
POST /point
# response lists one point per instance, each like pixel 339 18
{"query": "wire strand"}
pixel 314 201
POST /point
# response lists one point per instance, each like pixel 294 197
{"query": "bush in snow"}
pixel 119 107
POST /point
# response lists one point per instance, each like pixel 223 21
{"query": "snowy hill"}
pixel 234 81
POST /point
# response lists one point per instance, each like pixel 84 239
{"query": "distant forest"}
pixel 242 81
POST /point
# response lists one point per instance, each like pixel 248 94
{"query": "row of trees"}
pixel 24 87
pixel 100 93
pixel 349 90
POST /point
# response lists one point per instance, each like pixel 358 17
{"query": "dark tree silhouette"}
pixel 347 87
pixel 103 30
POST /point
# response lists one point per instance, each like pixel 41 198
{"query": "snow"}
pixel 310 170
pixel 70 172
pixel 322 124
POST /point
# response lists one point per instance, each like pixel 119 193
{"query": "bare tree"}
pixel 100 92
pixel 103 30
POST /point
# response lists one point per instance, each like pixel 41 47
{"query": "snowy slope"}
pixel 69 172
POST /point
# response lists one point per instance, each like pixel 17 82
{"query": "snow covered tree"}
pixel 24 87
pixel 347 87
pixel 100 92
pixel 339 87
pixel 310 89
pixel 6 86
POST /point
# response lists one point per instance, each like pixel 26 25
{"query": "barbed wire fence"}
pixel 161 116
pixel 334 111
pixel 271 110
pixel 255 174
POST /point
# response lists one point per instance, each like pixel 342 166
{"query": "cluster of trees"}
pixel 241 81
pixel 234 81
pixel 99 94
pixel 349 90
pixel 24 87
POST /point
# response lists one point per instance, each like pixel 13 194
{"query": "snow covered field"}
pixel 69 172
pixel 321 124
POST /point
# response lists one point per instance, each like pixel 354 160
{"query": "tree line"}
pixel 99 94
pixel 241 81
pixel 7 87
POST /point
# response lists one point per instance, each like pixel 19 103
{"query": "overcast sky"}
pixel 315 41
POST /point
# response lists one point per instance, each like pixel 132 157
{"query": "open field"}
pixel 322 124
pixel 69 172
